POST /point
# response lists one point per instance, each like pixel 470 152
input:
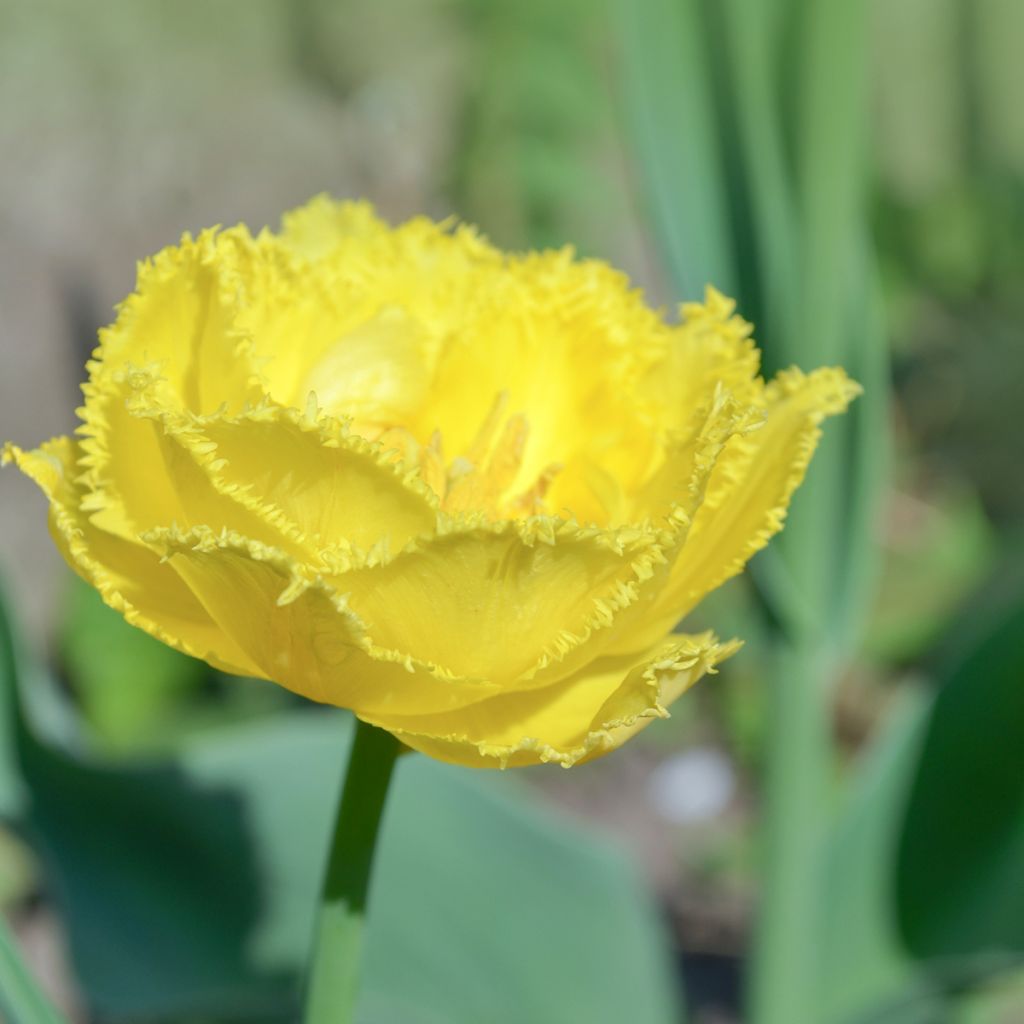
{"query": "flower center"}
pixel 485 478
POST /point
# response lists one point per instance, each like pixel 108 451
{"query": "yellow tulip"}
pixel 463 493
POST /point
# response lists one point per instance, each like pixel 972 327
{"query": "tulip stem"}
pixel 333 981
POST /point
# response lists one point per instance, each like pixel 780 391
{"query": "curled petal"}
pixel 299 482
pixel 181 484
pixel 579 719
pixel 749 490
pixel 130 577
pixel 711 348
pixel 184 319
pixel 331 484
pixel 300 633
pixel 498 601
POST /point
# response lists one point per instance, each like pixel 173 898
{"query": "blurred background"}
pixel 832 829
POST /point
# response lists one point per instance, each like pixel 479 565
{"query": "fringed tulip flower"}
pixel 466 494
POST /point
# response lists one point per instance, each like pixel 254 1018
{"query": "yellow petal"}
pixel 373 306
pixel 130 577
pixel 322 225
pixel 140 427
pixel 182 321
pixel 494 601
pixel 300 633
pixel 711 348
pixel 569 722
pixel 333 486
pixel 676 494
pixel 570 344
pixel 750 489
pixel 285 479
pixel 377 373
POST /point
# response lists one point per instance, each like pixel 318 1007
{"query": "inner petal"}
pixel 377 374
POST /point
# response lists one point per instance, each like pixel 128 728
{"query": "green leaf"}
pixel 21 1001
pixel 189 888
pixel 868 975
pixel 924 864
pixel 188 884
pixel 961 882
pixel 12 786
pixel 669 111
pixel 128 685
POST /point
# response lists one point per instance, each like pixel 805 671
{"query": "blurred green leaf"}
pixel 189 888
pixel 18 873
pixel 938 551
pixel 21 1002
pixel 924 870
pixel 749 121
pixel 188 885
pixel 868 974
pixel 129 685
pixel 670 114
pixel 524 165
pixel 961 863
pixel 12 786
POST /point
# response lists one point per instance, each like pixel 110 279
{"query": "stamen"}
pixel 485 435
pixel 531 501
pixel 479 479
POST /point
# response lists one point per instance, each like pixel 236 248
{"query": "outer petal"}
pixel 300 633
pixel 141 428
pixel 496 601
pixel 335 487
pixel 573 721
pixel 711 348
pixel 130 577
pixel 287 480
pixel 750 490
pixel 676 494
pixel 183 318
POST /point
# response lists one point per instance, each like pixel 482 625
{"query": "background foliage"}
pixel 854 174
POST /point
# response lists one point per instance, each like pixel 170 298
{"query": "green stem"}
pixel 337 951
pixel 21 1001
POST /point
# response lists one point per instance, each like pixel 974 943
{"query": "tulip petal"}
pixel 129 576
pixel 574 721
pixel 497 600
pixel 179 485
pixel 335 487
pixel 301 633
pixel 394 296
pixel 711 348
pixel 569 343
pixel 274 475
pixel 750 489
pixel 320 227
pixel 182 320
